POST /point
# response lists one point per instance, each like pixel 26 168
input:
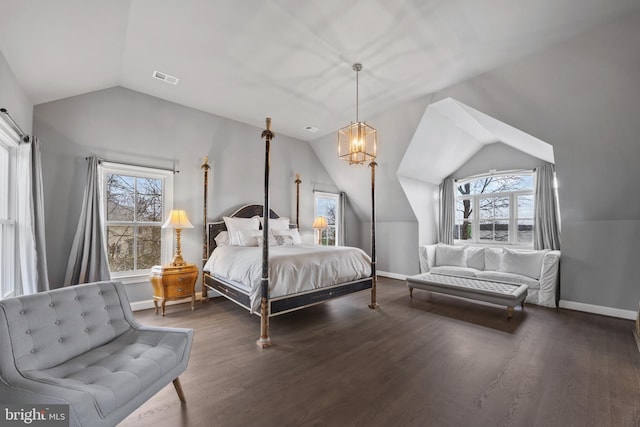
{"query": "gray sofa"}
pixel 81 346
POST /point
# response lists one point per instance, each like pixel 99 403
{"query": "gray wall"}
pixel 582 96
pixel 13 98
pixel 121 125
pixel 496 156
pixel 397 227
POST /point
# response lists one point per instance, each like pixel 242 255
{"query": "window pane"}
pixel 487 207
pixel 525 231
pixel 120 244
pixel 120 197
pixel 502 207
pixel 327 209
pixel 486 230
pixel 501 231
pixel 497 231
pixel 525 206
pixel 148 247
pixel 463 209
pixel 462 230
pixel 329 236
pixel 149 200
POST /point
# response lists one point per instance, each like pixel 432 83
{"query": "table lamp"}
pixel 177 220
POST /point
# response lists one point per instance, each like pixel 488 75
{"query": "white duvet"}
pixel 292 268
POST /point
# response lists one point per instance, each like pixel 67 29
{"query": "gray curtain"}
pixel 88 258
pixel 342 227
pixel 30 215
pixel 38 215
pixel 447 212
pixel 546 223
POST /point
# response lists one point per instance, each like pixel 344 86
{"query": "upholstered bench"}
pixel 481 290
pixel 81 346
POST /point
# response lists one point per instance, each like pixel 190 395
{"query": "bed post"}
pixel 374 276
pixel 205 241
pixel 265 340
pixel 298 182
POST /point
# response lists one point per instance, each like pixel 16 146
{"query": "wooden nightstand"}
pixel 173 283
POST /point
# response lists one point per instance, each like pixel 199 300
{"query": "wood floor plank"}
pixel 433 360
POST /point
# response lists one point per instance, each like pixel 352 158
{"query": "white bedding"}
pixel 292 268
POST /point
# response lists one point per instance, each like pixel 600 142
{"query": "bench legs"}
pixel 178 386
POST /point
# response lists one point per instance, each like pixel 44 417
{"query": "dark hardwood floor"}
pixel 433 360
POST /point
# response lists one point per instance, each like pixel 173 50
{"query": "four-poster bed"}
pixel 293 277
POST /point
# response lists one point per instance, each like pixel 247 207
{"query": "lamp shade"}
pixel 320 223
pixel 177 219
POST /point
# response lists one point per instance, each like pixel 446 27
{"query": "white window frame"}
pixel 332 196
pixel 9 277
pixel 513 211
pixel 166 243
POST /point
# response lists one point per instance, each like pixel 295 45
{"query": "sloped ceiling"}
pixel 452 133
pixel 287 59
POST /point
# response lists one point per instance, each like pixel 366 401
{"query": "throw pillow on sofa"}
pixel 451 256
pixel 525 263
pixel 492 258
pixel 475 257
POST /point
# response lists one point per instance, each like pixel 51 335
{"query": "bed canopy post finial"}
pixel 298 182
pixel 374 276
pixel 264 340
pixel 205 241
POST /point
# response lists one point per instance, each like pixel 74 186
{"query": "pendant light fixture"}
pixel 357 142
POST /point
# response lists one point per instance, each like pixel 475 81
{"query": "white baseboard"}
pixel 147 304
pixel 392 275
pixel 599 309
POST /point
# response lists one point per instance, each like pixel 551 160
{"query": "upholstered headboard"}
pixel 246 211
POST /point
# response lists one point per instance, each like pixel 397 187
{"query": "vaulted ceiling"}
pixel 287 59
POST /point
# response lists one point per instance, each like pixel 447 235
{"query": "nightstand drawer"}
pixel 178 290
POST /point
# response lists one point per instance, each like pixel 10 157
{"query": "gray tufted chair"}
pixel 81 346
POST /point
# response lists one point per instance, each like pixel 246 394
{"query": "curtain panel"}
pixel 88 260
pixel 546 223
pixel 30 220
pixel 447 212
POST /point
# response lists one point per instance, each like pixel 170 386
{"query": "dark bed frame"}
pixel 281 304
pixel 273 306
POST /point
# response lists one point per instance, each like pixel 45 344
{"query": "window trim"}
pixel 325 195
pixel 513 210
pixel 166 239
pixel 10 280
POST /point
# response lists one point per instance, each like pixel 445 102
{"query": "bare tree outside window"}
pixel 134 217
pixel 504 209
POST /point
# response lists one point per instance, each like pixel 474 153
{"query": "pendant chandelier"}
pixel 357 142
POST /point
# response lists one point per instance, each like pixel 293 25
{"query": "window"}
pixel 496 209
pixel 8 278
pixel 328 206
pixel 135 203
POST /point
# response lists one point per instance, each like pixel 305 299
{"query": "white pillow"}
pixel 475 257
pixel 234 225
pixel 222 239
pixel 492 258
pixel 276 224
pixel 519 262
pixel 248 237
pixel 450 255
pixel 293 232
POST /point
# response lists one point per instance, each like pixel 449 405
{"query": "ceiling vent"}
pixel 165 77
